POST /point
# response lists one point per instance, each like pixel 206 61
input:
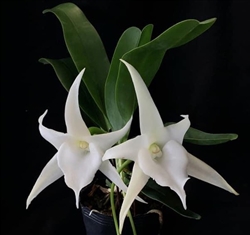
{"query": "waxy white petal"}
pixel 127 150
pixel 54 137
pixel 137 182
pixel 178 130
pixel 200 170
pixel 150 118
pixel 159 136
pixel 78 166
pixel 107 140
pixel 110 171
pixel 74 122
pixel 50 173
pixel 169 170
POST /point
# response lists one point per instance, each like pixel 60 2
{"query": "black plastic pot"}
pixel 100 224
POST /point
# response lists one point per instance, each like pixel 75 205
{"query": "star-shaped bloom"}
pixel 158 152
pixel 79 154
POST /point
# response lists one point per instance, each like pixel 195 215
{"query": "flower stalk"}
pixel 121 165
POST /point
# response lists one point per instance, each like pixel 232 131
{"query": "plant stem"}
pixel 112 202
pixel 112 198
pixel 132 222
pixel 123 165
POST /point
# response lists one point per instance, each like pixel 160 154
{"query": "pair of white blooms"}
pixel 157 153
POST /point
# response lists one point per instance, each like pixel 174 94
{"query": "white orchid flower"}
pixel 158 152
pixel 79 154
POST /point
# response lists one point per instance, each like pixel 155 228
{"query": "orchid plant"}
pixel 106 95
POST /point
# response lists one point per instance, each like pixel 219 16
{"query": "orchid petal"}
pixel 179 129
pixel 74 122
pixel 169 169
pixel 159 136
pixel 127 150
pixel 78 166
pixel 200 170
pixel 105 141
pixel 110 171
pixel 54 137
pixel 137 182
pixel 50 173
pixel 150 118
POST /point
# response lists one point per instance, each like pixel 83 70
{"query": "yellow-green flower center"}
pixel 84 145
pixel 155 150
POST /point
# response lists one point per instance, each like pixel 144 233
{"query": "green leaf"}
pixel 198 137
pixel 128 41
pixel 85 47
pixel 64 68
pixel 66 73
pixel 148 57
pixel 146 34
pixel 96 131
pixel 203 26
pixel 195 136
pixel 168 198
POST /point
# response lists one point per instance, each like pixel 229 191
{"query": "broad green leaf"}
pixel 64 68
pixel 128 41
pixel 148 57
pixel 195 136
pixel 66 73
pixel 168 198
pixel 85 47
pixel 203 26
pixel 146 34
pixel 198 137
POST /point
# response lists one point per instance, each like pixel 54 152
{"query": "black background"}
pixel 207 78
